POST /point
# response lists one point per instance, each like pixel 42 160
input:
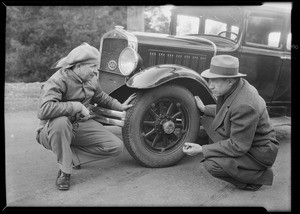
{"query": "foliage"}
pixel 38 36
pixel 155 20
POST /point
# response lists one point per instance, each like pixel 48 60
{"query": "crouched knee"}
pixel 116 147
pixel 119 147
pixel 60 124
pixel 213 168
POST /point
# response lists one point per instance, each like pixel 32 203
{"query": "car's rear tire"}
pixel 159 123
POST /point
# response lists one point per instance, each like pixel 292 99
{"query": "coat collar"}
pixel 224 109
pixel 73 75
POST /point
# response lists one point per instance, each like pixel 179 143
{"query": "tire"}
pixel 153 136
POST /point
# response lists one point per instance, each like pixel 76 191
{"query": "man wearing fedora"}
pixel 65 125
pixel 243 146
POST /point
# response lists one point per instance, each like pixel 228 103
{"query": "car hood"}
pixel 190 42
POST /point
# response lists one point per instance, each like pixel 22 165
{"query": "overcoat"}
pixel 245 144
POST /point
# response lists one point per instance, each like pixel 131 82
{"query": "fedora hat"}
pixel 84 53
pixel 223 66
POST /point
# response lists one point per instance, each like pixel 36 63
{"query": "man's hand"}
pixel 78 107
pixel 199 103
pixel 126 104
pixel 192 149
pixel 83 115
pixel 84 111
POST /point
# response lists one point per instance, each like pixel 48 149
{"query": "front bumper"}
pixel 107 116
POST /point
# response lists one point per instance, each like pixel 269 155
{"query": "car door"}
pixel 283 90
pixel 262 50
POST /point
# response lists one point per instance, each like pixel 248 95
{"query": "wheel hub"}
pixel 168 127
pixel 165 125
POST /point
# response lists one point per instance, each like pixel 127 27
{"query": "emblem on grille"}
pixel 112 64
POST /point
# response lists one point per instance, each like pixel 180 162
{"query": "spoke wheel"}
pixel 164 125
pixel 159 123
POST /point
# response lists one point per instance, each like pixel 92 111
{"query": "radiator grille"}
pixel 193 61
pixel 111 50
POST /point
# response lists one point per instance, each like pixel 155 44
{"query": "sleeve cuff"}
pixel 116 105
pixel 210 110
pixel 77 107
pixel 204 151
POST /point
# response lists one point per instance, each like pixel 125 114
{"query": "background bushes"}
pixel 38 36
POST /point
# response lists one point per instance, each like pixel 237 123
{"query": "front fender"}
pixel 160 74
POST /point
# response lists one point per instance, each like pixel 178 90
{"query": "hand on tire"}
pixel 199 103
pixel 126 104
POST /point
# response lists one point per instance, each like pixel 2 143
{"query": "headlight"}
pixel 128 61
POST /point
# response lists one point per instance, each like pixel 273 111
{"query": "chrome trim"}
pixel 208 41
pixel 110 121
pixel 255 50
pixel 107 116
pixel 112 65
pixel 202 40
pixel 135 56
pixel 286 57
pixel 119 32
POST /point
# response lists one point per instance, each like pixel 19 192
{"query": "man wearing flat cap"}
pixel 243 146
pixel 65 125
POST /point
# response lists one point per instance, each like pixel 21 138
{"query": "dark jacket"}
pixel 244 145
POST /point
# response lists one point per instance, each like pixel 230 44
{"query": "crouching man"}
pixel 243 146
pixel 65 125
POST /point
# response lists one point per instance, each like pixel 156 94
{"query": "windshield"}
pixel 207 21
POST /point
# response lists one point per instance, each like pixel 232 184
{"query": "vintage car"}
pixel 164 72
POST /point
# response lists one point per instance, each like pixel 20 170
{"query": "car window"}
pixel 264 31
pixel 187 25
pixel 214 27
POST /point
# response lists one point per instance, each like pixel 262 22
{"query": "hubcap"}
pixel 168 127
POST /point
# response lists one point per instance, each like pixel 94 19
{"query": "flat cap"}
pixel 84 53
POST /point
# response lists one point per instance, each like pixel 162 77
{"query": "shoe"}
pixel 77 167
pixel 63 180
pixel 252 187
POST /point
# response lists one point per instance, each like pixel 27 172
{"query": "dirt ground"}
pixel 31 172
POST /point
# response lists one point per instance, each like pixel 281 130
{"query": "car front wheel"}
pixel 159 123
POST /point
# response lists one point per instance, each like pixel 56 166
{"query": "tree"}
pixel 38 36
pixel 155 20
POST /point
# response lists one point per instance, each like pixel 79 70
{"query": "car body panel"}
pixel 160 74
pixel 164 56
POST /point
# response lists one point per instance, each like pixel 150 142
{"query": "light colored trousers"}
pixel 78 143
